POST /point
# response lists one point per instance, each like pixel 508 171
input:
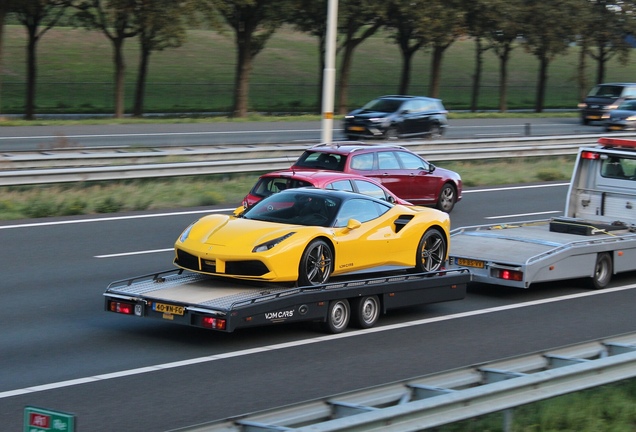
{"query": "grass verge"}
pixel 37 201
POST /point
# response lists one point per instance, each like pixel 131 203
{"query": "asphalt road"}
pixel 61 351
pixel 193 134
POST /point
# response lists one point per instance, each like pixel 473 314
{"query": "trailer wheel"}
pixel 602 271
pixel 338 316
pixel 315 264
pixel 366 311
pixel 431 251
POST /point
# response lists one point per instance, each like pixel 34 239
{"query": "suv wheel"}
pixel 391 133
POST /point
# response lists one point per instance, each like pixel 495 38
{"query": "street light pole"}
pixel 329 73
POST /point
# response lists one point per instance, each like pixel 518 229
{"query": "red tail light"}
pixel 122 307
pixel 213 323
pixel 512 275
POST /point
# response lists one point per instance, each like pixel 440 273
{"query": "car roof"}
pixel 343 195
pixel 346 147
pixel 301 174
pixel 406 97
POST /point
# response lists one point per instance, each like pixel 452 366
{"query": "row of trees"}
pixel 547 29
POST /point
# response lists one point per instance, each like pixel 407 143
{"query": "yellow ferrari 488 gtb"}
pixel 307 235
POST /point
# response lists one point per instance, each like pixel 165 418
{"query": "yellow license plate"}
pixel 593 117
pixel 356 128
pixel 615 128
pixel 168 309
pixel 470 263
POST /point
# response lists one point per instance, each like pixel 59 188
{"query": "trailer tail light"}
pixel 512 275
pixel 590 155
pixel 213 323
pixel 121 307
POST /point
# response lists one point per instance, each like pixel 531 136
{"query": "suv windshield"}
pixel 383 105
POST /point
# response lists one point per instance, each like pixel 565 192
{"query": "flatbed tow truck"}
pixel 595 239
pixel 226 305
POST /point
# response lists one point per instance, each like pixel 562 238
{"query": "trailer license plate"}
pixel 470 263
pixel 169 309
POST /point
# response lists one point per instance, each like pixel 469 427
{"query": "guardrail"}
pixel 451 396
pixel 76 165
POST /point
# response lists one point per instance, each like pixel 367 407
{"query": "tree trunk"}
pixel 345 70
pixel 29 113
pixel 120 69
pixel 542 82
pixel 3 13
pixel 140 91
pixel 503 80
pixel 242 76
pixel 436 68
pixel 580 71
pixel 600 67
pixel 479 61
pixel 405 77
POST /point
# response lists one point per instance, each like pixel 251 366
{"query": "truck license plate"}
pixel 169 309
pixel 470 263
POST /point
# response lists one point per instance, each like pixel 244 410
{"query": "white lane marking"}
pixel 114 218
pixel 116 255
pixel 515 188
pixel 280 346
pixel 523 214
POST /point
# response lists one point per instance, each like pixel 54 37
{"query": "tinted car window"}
pixel 388 160
pixel 412 162
pixel 362 162
pixel 383 105
pixel 271 185
pixel 321 160
pixel 359 209
pixel 370 189
pixel 341 185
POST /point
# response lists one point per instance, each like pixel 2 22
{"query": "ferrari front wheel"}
pixel 316 264
pixel 431 251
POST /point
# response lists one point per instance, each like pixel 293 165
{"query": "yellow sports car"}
pixel 307 235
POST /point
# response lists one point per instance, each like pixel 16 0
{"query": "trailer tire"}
pixel 602 271
pixel 431 251
pixel 316 264
pixel 365 311
pixel 338 316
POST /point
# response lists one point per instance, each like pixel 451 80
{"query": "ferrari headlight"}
pixel 184 235
pixel 271 243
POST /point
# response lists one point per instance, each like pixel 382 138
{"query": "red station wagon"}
pixel 401 171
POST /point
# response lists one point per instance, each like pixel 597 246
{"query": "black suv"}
pixel 602 99
pixel 392 117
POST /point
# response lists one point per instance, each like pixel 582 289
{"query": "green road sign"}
pixel 44 420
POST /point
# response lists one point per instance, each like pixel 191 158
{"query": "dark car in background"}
pixel 602 99
pixel 392 117
pixel 623 117
pixel 401 171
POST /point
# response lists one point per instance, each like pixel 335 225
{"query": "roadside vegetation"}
pixel 38 201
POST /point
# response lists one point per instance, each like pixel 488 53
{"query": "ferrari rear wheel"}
pixel 431 251
pixel 316 264
pixel 338 316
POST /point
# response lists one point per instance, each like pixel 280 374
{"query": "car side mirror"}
pixel 431 168
pixel 353 224
pixel 238 211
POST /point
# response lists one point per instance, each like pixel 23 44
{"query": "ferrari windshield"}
pixel 296 208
